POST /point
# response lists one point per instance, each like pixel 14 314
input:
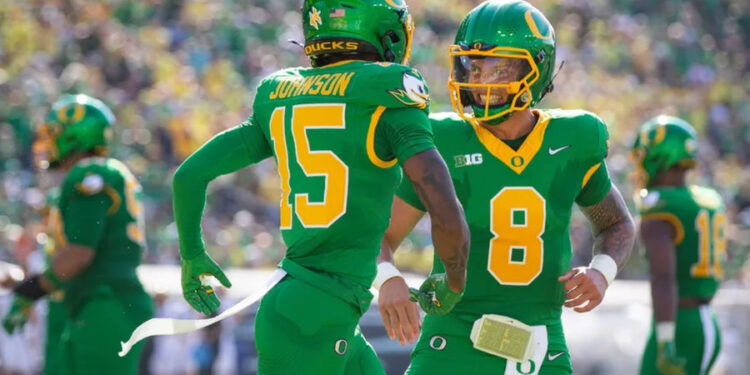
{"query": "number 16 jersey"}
pixel 518 205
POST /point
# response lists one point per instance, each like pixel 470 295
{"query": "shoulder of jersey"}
pixel 584 130
pixel 448 123
pixel 279 75
pixel 91 175
pixel 706 197
pixel 391 85
pixel 660 200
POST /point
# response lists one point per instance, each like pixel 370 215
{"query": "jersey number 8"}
pixel 517 219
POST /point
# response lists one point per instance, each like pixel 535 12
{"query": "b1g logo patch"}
pixel 467 159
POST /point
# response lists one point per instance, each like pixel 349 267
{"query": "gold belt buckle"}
pixel 503 337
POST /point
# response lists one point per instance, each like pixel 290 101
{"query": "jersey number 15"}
pixel 310 117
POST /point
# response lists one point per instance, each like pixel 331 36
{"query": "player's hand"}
pixel 584 288
pixel 201 297
pixel 434 296
pixel 18 313
pixel 667 360
pixel 400 315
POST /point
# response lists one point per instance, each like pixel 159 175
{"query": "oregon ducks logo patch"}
pixel 517 161
pixel 315 20
pixel 414 91
pixel 340 347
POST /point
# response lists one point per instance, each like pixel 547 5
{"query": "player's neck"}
pixel 673 177
pixel 68 163
pixel 516 126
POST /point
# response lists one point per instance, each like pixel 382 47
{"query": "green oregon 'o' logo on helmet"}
pixel 76 123
pixel 510 34
pixel 662 142
pixel 398 4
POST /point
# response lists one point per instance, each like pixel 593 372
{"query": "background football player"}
pixel 683 228
pixel 98 232
pixel 340 133
pixel 518 172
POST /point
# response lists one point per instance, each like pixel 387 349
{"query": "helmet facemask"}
pixel 45 147
pixel 493 81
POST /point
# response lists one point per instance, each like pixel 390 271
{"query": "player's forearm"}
pixel 386 251
pixel 616 241
pixel 188 201
pixel 67 264
pixel 450 233
pixel 404 217
pixel 452 246
pixel 664 297
pixel 224 153
pixel 613 227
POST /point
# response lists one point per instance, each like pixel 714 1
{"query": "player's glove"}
pixel 199 295
pixel 667 360
pixel 18 313
pixel 434 296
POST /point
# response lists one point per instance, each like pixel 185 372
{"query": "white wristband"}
pixel 606 265
pixel 386 271
pixel 665 331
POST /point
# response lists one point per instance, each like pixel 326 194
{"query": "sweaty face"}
pixel 484 70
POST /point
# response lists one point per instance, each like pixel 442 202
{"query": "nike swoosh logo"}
pixel 553 357
pixel 553 151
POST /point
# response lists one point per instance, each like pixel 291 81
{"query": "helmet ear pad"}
pixel 388 41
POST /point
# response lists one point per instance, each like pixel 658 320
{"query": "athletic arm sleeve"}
pixel 225 153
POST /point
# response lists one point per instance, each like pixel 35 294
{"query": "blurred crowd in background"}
pixel 177 72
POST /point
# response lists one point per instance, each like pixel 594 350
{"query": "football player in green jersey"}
pixel 98 232
pixel 340 132
pixel 518 172
pixel 57 314
pixel 683 228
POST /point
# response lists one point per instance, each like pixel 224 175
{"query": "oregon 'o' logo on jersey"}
pixel 531 367
pixel 517 161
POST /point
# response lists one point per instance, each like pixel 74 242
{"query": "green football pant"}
pixel 57 316
pixel 445 348
pixel 301 329
pixel 696 337
pixel 91 339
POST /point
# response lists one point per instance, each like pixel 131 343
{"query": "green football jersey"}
pixel 337 133
pixel 100 208
pixel 518 205
pixel 697 214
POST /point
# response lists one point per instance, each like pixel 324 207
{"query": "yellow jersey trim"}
pixel 337 63
pixel 371 141
pixel 116 200
pixel 670 218
pixel 590 173
pixel 515 160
